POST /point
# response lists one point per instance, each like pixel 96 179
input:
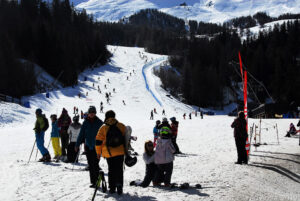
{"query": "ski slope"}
pixel 208 144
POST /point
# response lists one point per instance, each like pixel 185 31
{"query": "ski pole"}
pixel 49 143
pixel 37 150
pixel 76 158
pixel 31 151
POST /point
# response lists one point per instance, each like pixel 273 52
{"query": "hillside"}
pixel 200 10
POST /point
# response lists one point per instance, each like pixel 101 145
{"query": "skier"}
pixel 151 115
pixel 111 132
pixel 190 115
pixel 74 110
pixel 108 80
pixel 292 130
pixel 105 86
pixel 40 128
pixel 164 154
pixel 184 116
pixel 55 137
pixel 174 129
pixel 196 113
pixel 93 84
pixel 87 93
pixel 63 123
pixel 73 132
pixel 123 102
pixel 155 111
pixel 151 167
pixel 163 112
pixel 240 135
pixel 77 110
pixel 127 78
pixel 87 134
pixel 201 114
pixel 79 95
pixel 156 132
pixel 81 114
pixel 114 90
pixel 130 74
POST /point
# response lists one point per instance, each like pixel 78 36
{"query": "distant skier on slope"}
pixel 151 115
pixel 40 128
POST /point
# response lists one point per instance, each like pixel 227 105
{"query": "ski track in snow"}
pixel 273 172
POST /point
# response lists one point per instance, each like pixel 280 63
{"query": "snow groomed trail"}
pixel 208 144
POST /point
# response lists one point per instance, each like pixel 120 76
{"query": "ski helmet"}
pixel 158 122
pixel 76 119
pixel 164 119
pixel 92 109
pixel 130 161
pixel 173 118
pixel 38 111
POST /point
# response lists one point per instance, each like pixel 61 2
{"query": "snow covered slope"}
pixel 200 10
pixel 273 173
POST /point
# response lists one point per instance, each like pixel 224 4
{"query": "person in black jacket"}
pixel 240 135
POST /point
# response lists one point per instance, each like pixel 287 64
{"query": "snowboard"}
pixel 128 138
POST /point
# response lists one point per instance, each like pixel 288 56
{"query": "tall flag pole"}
pixel 244 80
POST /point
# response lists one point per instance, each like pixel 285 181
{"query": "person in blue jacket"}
pixel 87 135
pixel 156 132
pixel 55 138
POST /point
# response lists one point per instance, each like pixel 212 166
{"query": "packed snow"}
pixel 272 174
pixel 216 11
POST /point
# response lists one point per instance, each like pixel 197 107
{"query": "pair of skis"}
pixel 100 181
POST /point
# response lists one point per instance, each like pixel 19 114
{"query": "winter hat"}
pixel 53 116
pixel 38 111
pixel 64 111
pixel 110 114
pixel 158 122
pixel 173 118
pixel 92 109
pixel 164 119
pixel 241 115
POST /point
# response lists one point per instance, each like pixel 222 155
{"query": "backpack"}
pixel 46 123
pixel 114 137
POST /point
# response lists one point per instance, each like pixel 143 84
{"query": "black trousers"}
pixel 241 150
pixel 164 173
pixel 151 170
pixel 71 154
pixel 175 144
pixel 115 171
pixel 93 162
pixel 64 142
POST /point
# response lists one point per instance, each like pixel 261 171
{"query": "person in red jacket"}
pixel 64 122
pixel 174 129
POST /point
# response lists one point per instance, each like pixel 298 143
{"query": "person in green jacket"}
pixel 40 128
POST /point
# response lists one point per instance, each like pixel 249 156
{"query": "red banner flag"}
pixel 241 65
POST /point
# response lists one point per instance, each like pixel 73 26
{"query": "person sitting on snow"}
pixel 151 167
pixel 292 130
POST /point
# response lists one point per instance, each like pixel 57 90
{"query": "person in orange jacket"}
pixel 112 131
